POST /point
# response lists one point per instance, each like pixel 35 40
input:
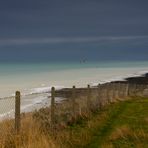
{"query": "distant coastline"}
pixel 138 80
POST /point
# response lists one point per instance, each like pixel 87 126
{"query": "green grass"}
pixel 119 125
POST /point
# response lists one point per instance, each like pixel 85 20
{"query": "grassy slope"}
pixel 123 124
pixel 119 125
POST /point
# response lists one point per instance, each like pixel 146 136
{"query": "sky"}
pixel 64 30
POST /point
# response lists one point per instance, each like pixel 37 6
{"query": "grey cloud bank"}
pixel 68 40
pixel 72 29
pixel 73 18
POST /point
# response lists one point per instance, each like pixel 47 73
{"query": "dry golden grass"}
pixel 146 119
pixel 30 135
pixel 120 132
pixel 35 133
pixel 124 132
pixel 35 127
pixel 107 145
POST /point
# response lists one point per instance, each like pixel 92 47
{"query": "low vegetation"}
pixel 119 124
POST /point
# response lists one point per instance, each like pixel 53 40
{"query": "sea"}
pixel 35 79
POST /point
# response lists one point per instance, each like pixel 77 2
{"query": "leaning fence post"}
pixel 73 102
pixel 17 112
pixel 52 108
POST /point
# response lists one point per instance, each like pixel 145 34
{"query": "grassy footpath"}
pixel 118 125
pixel 123 124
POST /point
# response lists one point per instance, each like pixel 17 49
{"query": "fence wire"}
pixel 7 113
pixel 59 110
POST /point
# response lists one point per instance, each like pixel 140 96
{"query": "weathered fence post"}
pixel 115 94
pixel 100 96
pixel 108 89
pixel 74 102
pixel 119 91
pixel 135 89
pixel 88 99
pixel 112 92
pixel 118 88
pixel 53 108
pixel 143 87
pixel 130 89
pixel 122 91
pixel 126 89
pixel 17 112
pixel 105 94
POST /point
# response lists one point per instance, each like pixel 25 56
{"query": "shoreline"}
pixel 65 93
pixel 139 79
pixel 28 82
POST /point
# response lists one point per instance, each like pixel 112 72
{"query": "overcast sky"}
pixel 73 29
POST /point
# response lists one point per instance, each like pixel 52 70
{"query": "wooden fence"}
pixel 94 98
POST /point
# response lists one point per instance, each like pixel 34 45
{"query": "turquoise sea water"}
pixel 32 75
pixel 14 68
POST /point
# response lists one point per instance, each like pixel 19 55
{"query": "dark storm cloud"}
pixel 73 18
pixel 105 27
